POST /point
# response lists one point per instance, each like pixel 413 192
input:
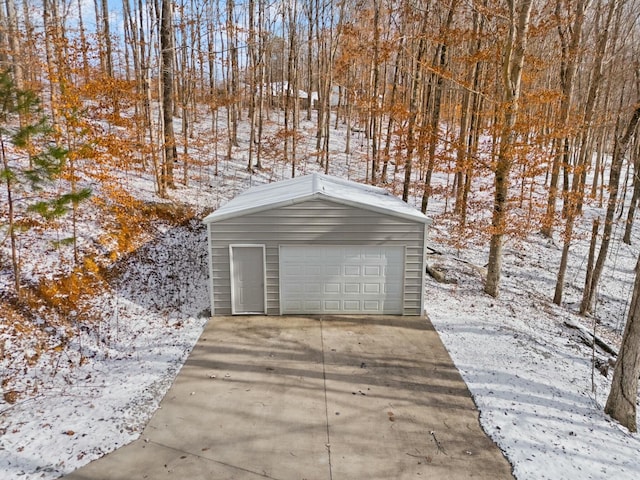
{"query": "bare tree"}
pixel 375 101
pixel 13 37
pixel 570 37
pixel 253 58
pixel 167 76
pixel 106 38
pixel 633 204
pixel 568 67
pixel 439 64
pixel 513 63
pixel 290 17
pixel 469 118
pixel 233 78
pixel 623 397
pixel 620 147
pixel 328 30
pixel 390 119
pixel 416 86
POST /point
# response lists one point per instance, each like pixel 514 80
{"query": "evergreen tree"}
pixel 30 161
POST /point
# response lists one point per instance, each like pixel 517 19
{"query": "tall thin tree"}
pixel 167 78
pixel 513 63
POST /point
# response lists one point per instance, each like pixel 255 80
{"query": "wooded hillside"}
pixel 518 115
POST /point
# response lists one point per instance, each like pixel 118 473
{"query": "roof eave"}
pixel 213 218
pixel 375 208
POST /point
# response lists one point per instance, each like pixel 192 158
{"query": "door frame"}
pixel 264 277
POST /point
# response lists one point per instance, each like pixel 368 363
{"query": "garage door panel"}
pixel 333 279
pixel 371 288
pixel 352 288
pixel 372 270
pixel 332 305
pixel 351 305
pixel 371 305
pixel 352 270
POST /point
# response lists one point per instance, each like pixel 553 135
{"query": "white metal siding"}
pixel 315 222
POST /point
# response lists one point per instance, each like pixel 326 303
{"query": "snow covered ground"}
pixel 530 375
pixel 149 324
pixel 531 378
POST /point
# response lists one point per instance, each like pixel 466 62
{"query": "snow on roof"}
pixel 314 186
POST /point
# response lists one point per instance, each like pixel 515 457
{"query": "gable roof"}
pixel 316 186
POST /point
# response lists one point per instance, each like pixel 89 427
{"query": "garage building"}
pixel 316 245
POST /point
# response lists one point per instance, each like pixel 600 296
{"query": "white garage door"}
pixel 330 279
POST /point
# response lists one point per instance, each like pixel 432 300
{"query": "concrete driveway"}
pixel 305 398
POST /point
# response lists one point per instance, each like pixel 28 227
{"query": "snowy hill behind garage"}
pixel 531 377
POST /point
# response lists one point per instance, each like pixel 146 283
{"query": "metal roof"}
pixel 316 186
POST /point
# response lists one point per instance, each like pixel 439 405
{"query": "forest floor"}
pixel 100 377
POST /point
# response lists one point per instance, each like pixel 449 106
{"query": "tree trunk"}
pixel 635 197
pixel 166 46
pixel 572 198
pixel 28 48
pixel 472 137
pixel 185 79
pixel 593 94
pixel 14 44
pixel 252 50
pixel 233 80
pixel 591 259
pixel 621 403
pixel 50 39
pixel 598 172
pixel 392 101
pixel 262 76
pixel 440 61
pixel 131 39
pixel 310 83
pixel 374 110
pixel 619 151
pixel 413 106
pixel 331 49
pixel 568 67
pixel 15 262
pixel 4 41
pixel 461 151
pixel 513 63
pixel 292 83
pixel 106 33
